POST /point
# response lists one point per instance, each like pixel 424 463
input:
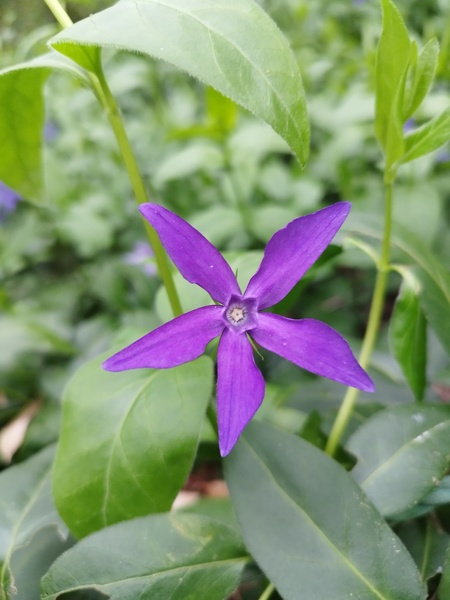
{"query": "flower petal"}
pixel 197 259
pixel 314 346
pixel 172 344
pixel 292 250
pixel 240 388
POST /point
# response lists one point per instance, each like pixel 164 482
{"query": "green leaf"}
pixel 390 82
pixel 427 544
pixel 403 452
pixel 128 441
pixel 330 541
pixel 27 514
pixel 22 122
pixel 233 47
pixel 423 76
pixel 444 587
pixel 408 335
pixel 176 556
pixel 436 307
pixel 427 138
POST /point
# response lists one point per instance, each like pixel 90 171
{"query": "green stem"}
pixel 267 592
pixel 108 102
pixel 373 325
pixel 59 13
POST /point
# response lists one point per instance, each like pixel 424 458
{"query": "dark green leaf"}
pixel 403 452
pixel 426 543
pixel 233 47
pixel 427 138
pixel 176 556
pixel 128 441
pixel 330 541
pixel 436 307
pixel 22 122
pixel 444 588
pixel 390 82
pixel 27 514
pixel 408 336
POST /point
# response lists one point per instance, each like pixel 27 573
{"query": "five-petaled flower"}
pixel 308 343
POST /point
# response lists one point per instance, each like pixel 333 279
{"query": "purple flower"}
pixel 8 200
pixel 141 255
pixel 307 343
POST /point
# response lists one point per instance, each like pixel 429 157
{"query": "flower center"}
pixel 241 313
pixel 236 314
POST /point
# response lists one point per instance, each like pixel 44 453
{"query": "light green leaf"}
pixel 22 122
pixel 427 138
pixel 403 452
pixel 234 47
pixel 408 335
pixel 27 513
pixel 128 441
pixel 423 76
pixel 176 556
pixel 330 541
pixel 390 82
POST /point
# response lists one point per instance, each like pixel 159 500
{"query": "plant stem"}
pixel 267 592
pixel 59 13
pixel 103 93
pixel 373 325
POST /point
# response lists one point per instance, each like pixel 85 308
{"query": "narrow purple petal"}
pixel 197 259
pixel 172 344
pixel 240 388
pixel 292 250
pixel 314 346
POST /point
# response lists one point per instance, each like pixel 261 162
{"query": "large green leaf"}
pixel 177 556
pixel 390 81
pixel 310 527
pixel 27 515
pixel 408 339
pixel 128 441
pixel 402 452
pixel 22 122
pixel 232 46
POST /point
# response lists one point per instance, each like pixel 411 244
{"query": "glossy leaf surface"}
pixel 231 46
pixel 280 487
pixel 28 520
pixel 402 452
pixel 407 333
pixel 22 122
pixel 176 556
pixel 128 441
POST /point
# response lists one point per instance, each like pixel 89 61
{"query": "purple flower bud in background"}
pixel 142 256
pixel 408 126
pixel 8 200
pixel 51 131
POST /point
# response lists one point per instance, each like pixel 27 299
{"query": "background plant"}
pixel 69 295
